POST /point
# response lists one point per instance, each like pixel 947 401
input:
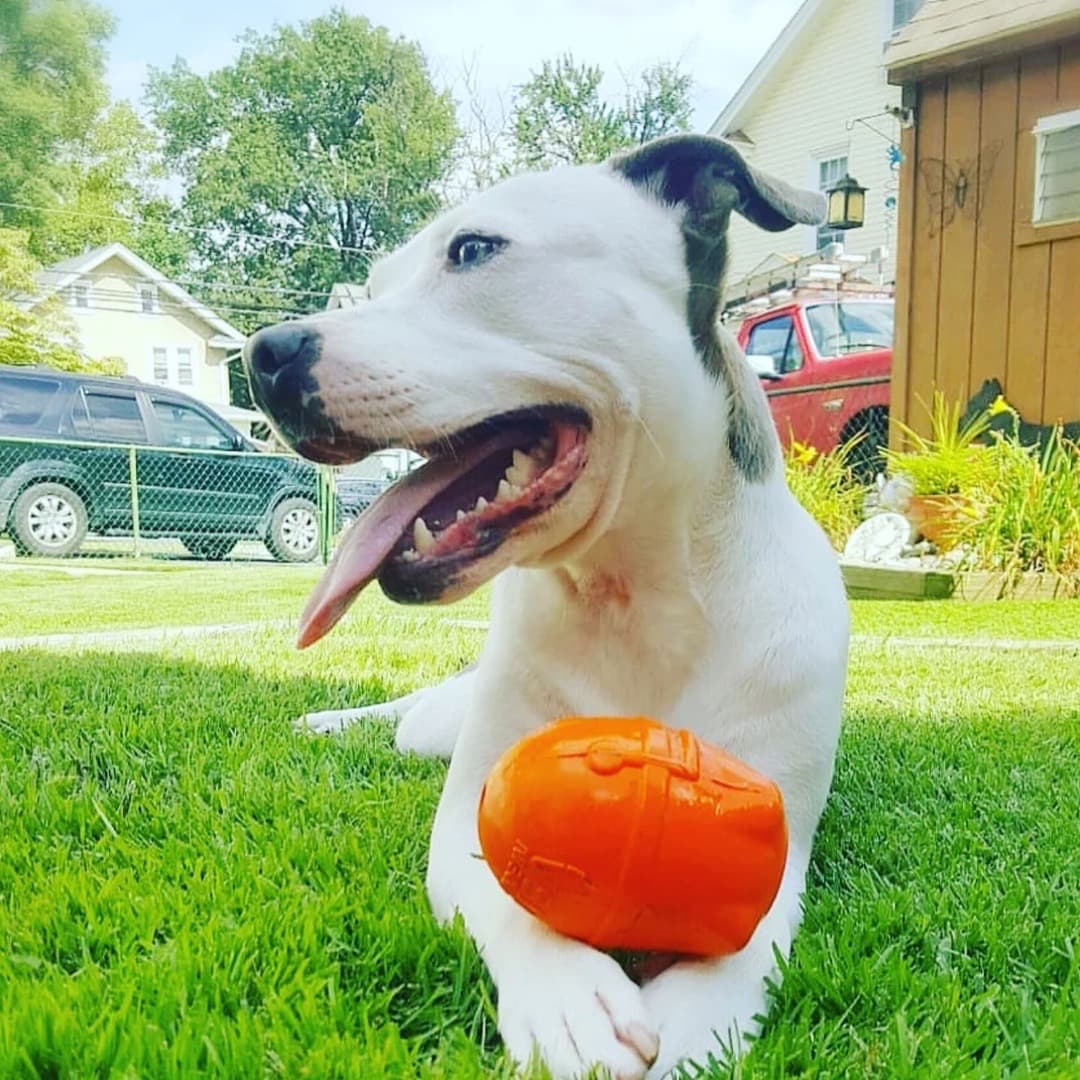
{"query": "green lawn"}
pixel 189 888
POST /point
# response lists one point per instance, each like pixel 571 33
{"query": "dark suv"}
pixel 86 453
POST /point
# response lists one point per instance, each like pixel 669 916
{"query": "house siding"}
pixel 114 324
pixel 800 116
pixel 982 292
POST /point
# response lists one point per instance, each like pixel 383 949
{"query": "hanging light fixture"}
pixel 847 204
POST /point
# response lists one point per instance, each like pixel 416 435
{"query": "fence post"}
pixel 133 478
pixel 327 511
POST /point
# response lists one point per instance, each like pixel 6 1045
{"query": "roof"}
pixel 60 275
pixel 346 294
pixel 947 34
pixel 737 109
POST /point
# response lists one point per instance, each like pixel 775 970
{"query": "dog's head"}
pixel 551 346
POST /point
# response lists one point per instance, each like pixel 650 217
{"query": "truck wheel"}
pixel 872 430
pixel 294 531
pixel 49 519
pixel 211 548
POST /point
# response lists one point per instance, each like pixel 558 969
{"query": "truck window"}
pixel 23 399
pixel 182 425
pixel 777 338
pixel 839 329
pixel 109 416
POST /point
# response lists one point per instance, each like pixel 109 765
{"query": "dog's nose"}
pixel 277 347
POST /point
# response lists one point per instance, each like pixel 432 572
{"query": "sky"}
pixel 716 41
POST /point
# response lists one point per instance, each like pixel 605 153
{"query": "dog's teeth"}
pixel 481 504
pixel 507 492
pixel 461 515
pixel 422 538
pixel 409 555
pixel 523 470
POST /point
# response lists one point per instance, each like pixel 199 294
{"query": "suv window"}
pixel 24 398
pixel 182 425
pixel 777 338
pixel 112 416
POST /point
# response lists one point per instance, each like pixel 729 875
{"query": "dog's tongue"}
pixel 370 539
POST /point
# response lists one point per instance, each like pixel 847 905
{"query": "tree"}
pixel 108 193
pixel 45 334
pixel 318 147
pixel 52 86
pixel 560 117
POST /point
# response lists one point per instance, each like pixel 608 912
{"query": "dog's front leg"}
pixel 428 720
pixel 703 1007
pixel 569 1003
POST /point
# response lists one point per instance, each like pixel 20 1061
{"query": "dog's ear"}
pixel 710 178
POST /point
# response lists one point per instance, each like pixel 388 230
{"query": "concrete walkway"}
pixel 106 639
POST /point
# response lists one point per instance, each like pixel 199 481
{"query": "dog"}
pixel 598 444
pixel 1003 420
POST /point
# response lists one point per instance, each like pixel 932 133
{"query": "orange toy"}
pixel 627 834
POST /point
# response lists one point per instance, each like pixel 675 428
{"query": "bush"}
pixel 827 488
pixel 1028 512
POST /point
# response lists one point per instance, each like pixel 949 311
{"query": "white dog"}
pixel 597 441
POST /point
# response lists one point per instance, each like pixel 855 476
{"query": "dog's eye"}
pixel 470 249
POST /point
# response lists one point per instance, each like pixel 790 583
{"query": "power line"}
pixel 125 303
pixel 204 230
pixel 198 283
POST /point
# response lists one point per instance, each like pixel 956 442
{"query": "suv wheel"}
pixel 294 531
pixel 49 519
pixel 211 548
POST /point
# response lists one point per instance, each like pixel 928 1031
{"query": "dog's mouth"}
pixel 479 488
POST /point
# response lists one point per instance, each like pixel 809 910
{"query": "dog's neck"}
pixel 650 589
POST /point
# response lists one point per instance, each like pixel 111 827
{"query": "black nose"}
pixel 277 347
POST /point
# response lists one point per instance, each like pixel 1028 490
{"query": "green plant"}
pixel 1029 514
pixel 826 487
pixel 950 459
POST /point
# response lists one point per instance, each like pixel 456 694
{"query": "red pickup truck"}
pixel 824 365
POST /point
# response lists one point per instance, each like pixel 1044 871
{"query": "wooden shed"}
pixel 988 274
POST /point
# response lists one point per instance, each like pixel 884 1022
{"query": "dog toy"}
pixel 626 834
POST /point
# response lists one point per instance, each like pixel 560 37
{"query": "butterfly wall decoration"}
pixel 958 187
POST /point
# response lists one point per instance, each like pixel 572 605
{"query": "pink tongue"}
pixel 366 544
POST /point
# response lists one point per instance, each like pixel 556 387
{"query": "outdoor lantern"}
pixel 847 204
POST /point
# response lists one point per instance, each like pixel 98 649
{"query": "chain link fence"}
pixel 64 498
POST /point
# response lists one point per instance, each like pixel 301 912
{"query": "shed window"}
pixel 1057 168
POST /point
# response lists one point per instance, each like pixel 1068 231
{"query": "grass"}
pixel 188 888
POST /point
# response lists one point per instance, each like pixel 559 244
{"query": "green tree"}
pixel 46 333
pixel 52 87
pixel 108 192
pixel 330 134
pixel 561 118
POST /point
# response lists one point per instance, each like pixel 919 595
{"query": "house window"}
pixel 148 299
pixel 185 375
pixel 830 171
pixel 904 11
pixel 161 366
pixel 80 295
pixel 1057 168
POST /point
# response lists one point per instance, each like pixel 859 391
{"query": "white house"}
pixel 124 307
pixel 815 108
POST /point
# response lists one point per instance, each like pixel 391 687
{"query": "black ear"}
pixel 708 179
pixel 711 178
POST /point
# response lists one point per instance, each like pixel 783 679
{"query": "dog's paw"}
pixel 575 1009
pixel 703 1009
pixel 322 723
pixel 429 731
